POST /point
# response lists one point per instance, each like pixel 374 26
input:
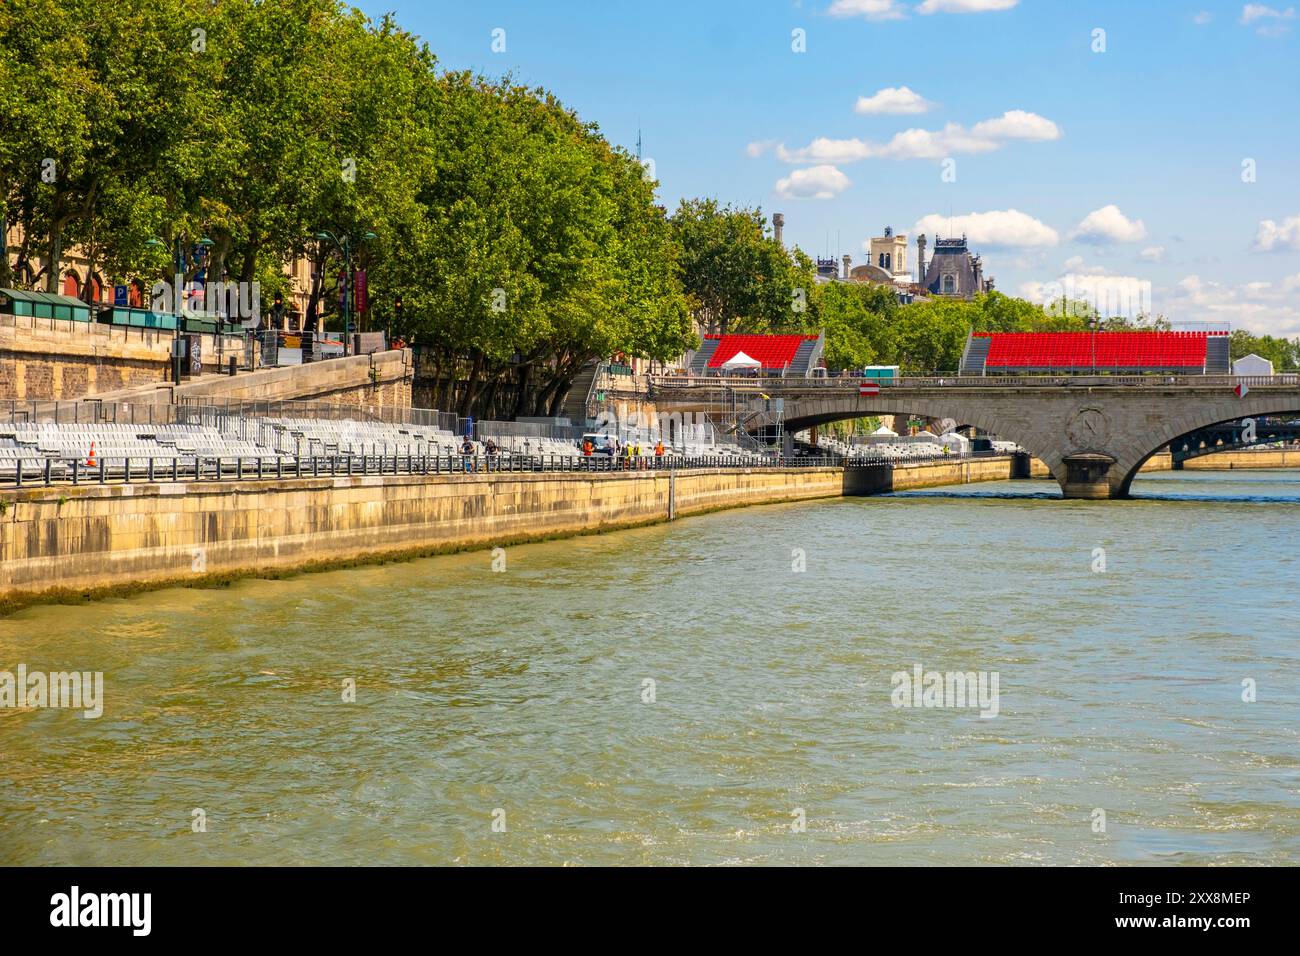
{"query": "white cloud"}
pixel 815 182
pixel 1202 18
pixel 952 140
pixel 1272 236
pixel 1261 307
pixel 893 99
pixel 870 9
pixel 1269 18
pixel 827 151
pixel 1152 253
pixel 1017 124
pixel 1258 11
pixel 1108 224
pixel 1076 265
pixel 758 147
pixel 964 6
pixel 1005 228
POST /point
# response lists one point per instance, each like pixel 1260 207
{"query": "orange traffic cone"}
pixel 90 462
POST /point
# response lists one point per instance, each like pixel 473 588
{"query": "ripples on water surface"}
pixel 522 691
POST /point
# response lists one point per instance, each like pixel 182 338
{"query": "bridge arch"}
pixel 988 418
pixel 1284 407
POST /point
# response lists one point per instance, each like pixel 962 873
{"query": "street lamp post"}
pixel 178 286
pixel 344 245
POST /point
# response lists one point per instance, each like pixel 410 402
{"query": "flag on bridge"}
pixel 869 388
pixel 1241 389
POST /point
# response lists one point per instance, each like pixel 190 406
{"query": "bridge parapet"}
pixel 954 381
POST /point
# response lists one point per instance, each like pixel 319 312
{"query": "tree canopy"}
pixel 522 244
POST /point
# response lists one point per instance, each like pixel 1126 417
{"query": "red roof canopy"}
pixel 774 351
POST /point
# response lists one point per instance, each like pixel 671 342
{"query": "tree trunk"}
pixel 542 405
pixel 53 268
pixel 6 274
pixel 471 387
pixel 521 397
pixel 561 396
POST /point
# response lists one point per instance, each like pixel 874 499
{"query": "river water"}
pixel 520 698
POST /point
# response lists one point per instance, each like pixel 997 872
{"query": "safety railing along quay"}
pixel 779 385
pixel 45 471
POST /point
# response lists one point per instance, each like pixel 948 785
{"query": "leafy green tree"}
pixel 738 277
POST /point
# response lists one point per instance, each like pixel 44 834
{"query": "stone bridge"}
pixel 1092 432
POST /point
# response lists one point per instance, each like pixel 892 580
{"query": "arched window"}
pixel 949 284
pixel 887 261
pixel 71 285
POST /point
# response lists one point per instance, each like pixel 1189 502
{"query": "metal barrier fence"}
pixel 94 411
pixel 955 380
pixel 87 411
pixel 53 471
pixel 492 429
pixel 389 415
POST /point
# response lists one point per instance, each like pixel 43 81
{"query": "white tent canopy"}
pixel 1252 364
pixel 741 360
pixel 883 432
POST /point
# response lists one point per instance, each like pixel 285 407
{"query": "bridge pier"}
pixel 1087 475
pixel 1022 466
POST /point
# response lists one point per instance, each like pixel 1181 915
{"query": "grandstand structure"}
pixel 779 355
pixel 1119 353
pixel 87 441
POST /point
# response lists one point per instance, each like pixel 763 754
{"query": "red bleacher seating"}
pixel 774 351
pixel 1111 351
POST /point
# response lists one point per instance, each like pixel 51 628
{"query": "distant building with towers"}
pixel 953 271
pixel 886 265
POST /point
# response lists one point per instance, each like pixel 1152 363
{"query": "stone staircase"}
pixel 575 403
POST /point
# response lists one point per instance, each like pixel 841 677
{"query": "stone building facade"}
pixel 953 270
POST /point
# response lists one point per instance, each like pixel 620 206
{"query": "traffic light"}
pixel 397 308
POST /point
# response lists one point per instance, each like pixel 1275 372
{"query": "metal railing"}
pixel 324 411
pixel 484 429
pixel 46 470
pixel 192 410
pixel 954 380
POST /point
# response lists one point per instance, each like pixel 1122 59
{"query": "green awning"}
pixel 45 305
pixel 50 298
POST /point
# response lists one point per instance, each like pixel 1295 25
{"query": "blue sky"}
pixel 1086 160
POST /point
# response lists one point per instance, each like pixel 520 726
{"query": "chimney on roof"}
pixel 848 260
pixel 920 259
pixel 778 226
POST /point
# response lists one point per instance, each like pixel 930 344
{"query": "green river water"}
pixel 520 697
